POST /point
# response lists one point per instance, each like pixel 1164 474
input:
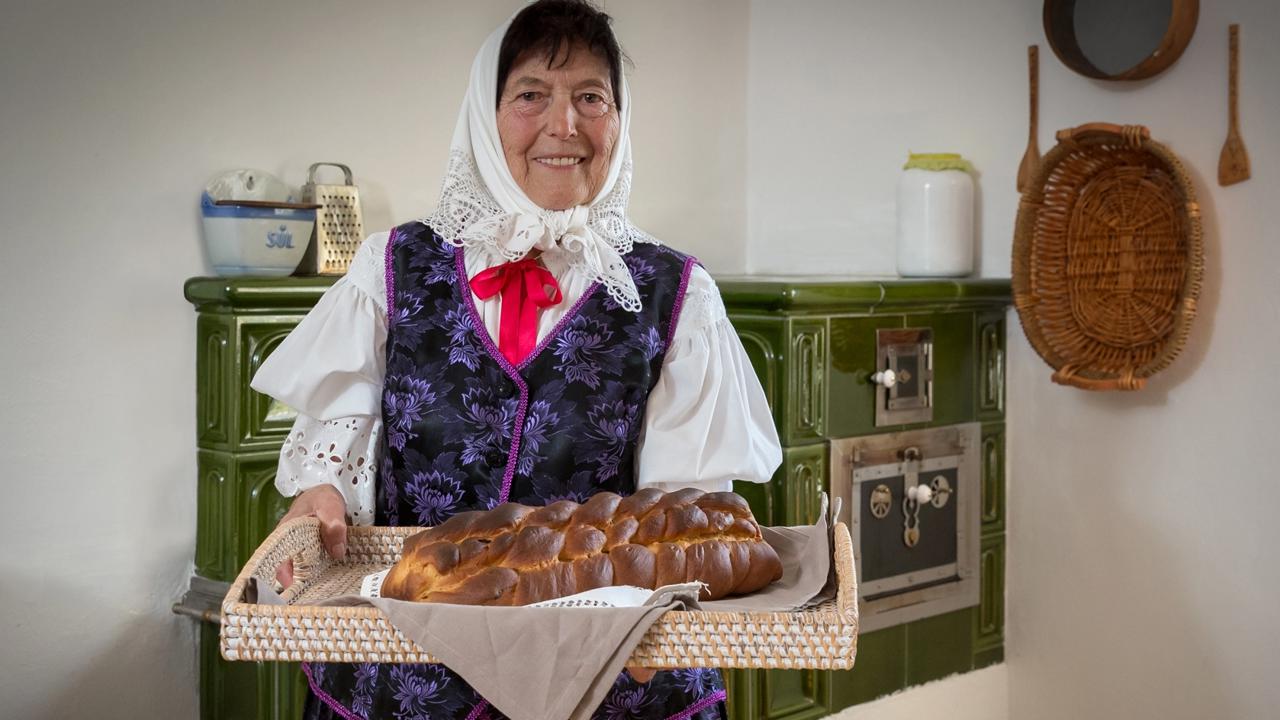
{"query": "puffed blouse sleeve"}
pixel 330 370
pixel 707 422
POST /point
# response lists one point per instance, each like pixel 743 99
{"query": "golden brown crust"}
pixel 516 555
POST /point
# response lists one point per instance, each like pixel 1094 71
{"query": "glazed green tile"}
pixel 764 339
pixel 742 689
pixel 230 415
pixel 991 364
pixel 763 293
pixel 760 497
pixel 940 646
pixel 879 669
pixel 823 293
pixel 987 658
pixel 237 506
pixel 239 690
pixel 249 294
pixel 215 337
pixel 988 621
pixel 263 505
pixel 804 403
pixel 262 423
pixel 991 463
pixel 945 294
pixel 794 694
pixel 798 498
pixel 282 691
pixel 954 365
pixel 851 403
pixel 216 516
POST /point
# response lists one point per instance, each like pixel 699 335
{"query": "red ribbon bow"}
pixel 523 284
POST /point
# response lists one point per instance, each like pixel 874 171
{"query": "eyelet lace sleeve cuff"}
pixel 340 452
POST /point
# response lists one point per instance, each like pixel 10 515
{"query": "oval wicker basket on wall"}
pixel 1107 257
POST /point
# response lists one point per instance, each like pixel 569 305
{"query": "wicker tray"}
pixel 1108 257
pixel 822 638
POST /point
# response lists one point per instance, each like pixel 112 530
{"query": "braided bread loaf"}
pixel 517 555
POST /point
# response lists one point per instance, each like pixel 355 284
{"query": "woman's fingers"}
pixel 333 533
pixel 327 505
pixel 641 674
pixel 284 573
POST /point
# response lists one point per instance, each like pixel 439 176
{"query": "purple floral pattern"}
pixel 613 423
pixel 407 322
pixel 463 348
pixel 647 339
pixel 434 488
pixel 586 351
pixel 362 695
pixel 388 492
pixel 547 489
pixel 698 682
pixel 466 431
pixel 544 422
pixel 422 692
pixel 405 401
pixel 626 700
pixel 489 421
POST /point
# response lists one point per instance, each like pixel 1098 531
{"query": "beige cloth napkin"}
pixel 556 663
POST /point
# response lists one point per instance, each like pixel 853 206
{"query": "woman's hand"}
pixel 327 504
pixel 641 674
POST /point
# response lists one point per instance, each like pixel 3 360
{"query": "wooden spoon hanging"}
pixel 1031 158
pixel 1233 164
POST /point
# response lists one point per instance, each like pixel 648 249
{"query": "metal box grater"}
pixel 339 226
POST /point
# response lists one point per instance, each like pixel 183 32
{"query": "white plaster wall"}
pixel 112 117
pixel 839 91
pixel 1141 568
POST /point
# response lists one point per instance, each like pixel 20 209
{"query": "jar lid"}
pixel 937 161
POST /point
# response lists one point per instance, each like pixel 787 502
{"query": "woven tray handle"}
pixel 1132 134
pixel 299 540
pixel 1067 376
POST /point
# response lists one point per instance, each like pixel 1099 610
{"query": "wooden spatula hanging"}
pixel 1031 158
pixel 1233 164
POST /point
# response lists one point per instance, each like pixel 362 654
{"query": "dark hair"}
pixel 546 26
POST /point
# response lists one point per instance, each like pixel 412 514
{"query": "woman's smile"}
pixel 558 162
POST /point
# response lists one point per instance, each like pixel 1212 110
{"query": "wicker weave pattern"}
pixel 824 637
pixel 1108 257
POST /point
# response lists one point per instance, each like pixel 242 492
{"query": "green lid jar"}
pixel 935 216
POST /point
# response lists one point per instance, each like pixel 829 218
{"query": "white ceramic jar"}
pixel 935 216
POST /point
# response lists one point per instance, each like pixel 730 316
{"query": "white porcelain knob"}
pixel 885 378
pixel 920 493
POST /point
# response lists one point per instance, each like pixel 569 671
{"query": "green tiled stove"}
pixel 821 348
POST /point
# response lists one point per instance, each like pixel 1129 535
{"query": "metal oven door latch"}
pixel 903 376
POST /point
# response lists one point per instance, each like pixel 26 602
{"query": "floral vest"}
pixel 464 429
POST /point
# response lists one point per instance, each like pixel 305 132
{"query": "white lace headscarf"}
pixel 481 205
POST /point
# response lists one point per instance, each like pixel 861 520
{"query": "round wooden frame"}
pixel 1059 28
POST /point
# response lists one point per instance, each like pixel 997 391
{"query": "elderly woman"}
pixel 524 343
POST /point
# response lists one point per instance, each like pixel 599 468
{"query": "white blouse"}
pixel 706 423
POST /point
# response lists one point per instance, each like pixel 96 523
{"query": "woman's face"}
pixel 558 127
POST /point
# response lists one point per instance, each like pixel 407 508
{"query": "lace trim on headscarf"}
pixel 468 216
